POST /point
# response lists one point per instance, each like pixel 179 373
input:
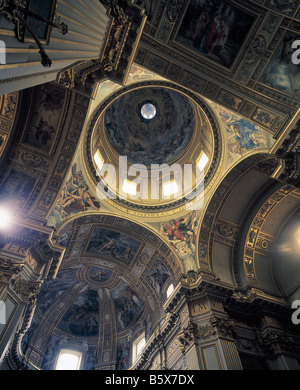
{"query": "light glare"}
pixel 170 188
pixel 297 236
pixel 129 187
pixel 5 217
pixel 203 160
pixel 68 361
pixel 98 160
pixel 170 290
pixel 148 111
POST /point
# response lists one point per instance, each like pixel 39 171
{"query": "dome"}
pixel 150 134
pixel 150 125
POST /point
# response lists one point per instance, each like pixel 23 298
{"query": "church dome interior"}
pixel 118 130
pixel 113 281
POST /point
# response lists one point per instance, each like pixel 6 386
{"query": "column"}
pixel 208 336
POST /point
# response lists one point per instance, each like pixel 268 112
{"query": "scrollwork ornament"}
pixel 9 269
pixel 256 50
pixel 26 289
pixel 206 331
pixel 187 336
pixel 273 343
pixel 67 78
pixel 217 327
pixel 173 10
pixel 225 230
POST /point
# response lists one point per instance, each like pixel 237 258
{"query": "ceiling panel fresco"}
pixel 216 29
pixel 237 49
pixel 114 244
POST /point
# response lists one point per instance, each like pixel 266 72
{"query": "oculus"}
pixel 148 111
pixel 152 125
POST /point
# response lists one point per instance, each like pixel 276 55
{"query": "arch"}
pixel 263 230
pixel 220 229
pixel 286 257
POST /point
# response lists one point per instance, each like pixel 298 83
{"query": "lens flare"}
pixel 5 218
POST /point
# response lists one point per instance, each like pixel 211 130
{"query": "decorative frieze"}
pixel 218 327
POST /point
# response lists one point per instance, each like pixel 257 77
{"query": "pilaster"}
pixel 207 335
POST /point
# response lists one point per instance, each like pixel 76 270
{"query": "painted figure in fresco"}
pixel 215 24
pixel 244 135
pixel 51 100
pixel 126 252
pixel 173 229
pixel 180 230
pixel 242 138
pixel 79 199
pixel 123 356
pixel 114 244
pixel 215 28
pixel 198 28
pixel 109 245
pixel 281 73
pixel 43 133
pixel 90 358
pixel 91 325
pixel 75 196
pixel 99 276
pixel 158 276
pixel 51 353
pixel 81 318
pixel 181 234
pixel 128 306
pixel 221 36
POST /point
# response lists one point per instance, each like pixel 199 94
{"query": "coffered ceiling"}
pixel 237 53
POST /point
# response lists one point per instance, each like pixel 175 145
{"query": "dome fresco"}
pixel 111 243
pixel 82 317
pixel 141 136
pixel 92 301
pixel 150 125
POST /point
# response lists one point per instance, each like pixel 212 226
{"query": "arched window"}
pixel 140 345
pixel 68 359
pixel 170 290
pixel 137 346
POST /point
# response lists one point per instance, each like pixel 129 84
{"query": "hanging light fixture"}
pixel 17 12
